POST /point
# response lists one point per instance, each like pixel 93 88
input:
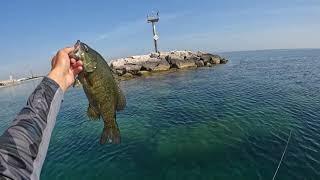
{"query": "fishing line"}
pixel 284 152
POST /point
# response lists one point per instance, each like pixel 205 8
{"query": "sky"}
pixel 32 31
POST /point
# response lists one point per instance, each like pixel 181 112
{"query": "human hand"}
pixel 64 69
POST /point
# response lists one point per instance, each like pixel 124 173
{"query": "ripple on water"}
pixel 229 122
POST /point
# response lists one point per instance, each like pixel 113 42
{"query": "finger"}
pixel 65 52
pixel 72 61
pixel 77 64
pixel 68 49
pixel 77 70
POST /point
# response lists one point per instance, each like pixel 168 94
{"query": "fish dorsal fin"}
pixel 121 101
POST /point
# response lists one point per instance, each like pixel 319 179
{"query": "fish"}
pixel 102 90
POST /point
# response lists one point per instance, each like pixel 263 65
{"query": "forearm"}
pixel 23 146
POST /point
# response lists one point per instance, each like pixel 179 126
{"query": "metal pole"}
pixel 154 34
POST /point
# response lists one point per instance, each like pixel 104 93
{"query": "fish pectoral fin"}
pixel 92 113
pixel 121 101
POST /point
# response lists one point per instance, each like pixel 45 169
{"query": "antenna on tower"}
pixel 153 18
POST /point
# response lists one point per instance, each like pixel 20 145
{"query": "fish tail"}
pixel 110 135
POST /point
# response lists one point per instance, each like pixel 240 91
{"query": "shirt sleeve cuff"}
pixel 51 83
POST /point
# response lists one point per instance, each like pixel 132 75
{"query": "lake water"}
pixel 227 122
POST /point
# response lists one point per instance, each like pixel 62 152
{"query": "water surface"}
pixel 227 122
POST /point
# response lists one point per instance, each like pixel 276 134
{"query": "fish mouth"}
pixel 77 46
pixel 76 53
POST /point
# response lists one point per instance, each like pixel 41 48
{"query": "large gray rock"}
pixel 174 57
pixel 118 63
pixel 215 60
pixel 132 68
pixel 211 58
pixel 150 64
pixel 199 63
pixel 180 62
pixel 205 58
pixel 178 59
pixel 120 72
pixel 127 76
pixel 187 64
pixel 162 66
pixel 153 64
pixel 223 61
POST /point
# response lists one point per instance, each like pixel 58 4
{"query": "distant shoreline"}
pixel 261 50
pixel 15 83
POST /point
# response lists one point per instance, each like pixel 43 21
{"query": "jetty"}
pixel 136 66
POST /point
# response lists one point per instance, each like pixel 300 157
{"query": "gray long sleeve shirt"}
pixel 24 145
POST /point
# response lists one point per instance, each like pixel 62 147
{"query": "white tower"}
pixel 154 18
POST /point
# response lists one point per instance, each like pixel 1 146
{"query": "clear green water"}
pixel 227 122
